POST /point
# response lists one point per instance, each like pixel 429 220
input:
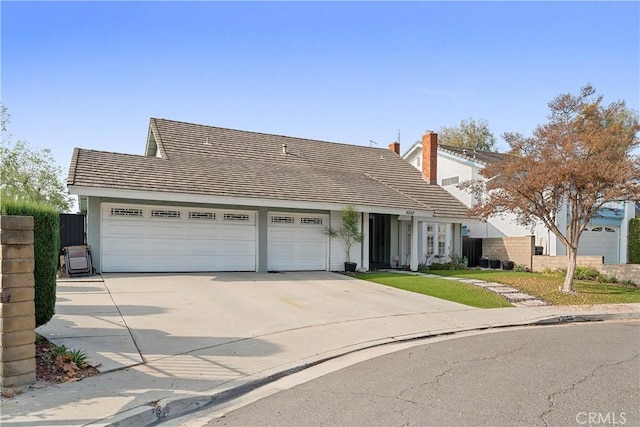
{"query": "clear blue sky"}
pixel 91 74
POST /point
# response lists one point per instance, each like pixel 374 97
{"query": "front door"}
pixel 379 240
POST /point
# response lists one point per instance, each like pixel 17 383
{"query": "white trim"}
pixel 240 201
pixel 412 149
pixel 413 263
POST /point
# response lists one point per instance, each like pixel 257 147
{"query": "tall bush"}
pixel 46 246
pixel 634 241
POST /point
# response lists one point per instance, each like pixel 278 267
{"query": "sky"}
pixel 92 74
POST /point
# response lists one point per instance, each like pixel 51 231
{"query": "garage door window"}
pixel 238 217
pixel 126 212
pixel 278 219
pixel 311 221
pixel 205 216
pixel 164 213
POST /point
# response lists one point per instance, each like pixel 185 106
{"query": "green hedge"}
pixel 634 241
pixel 46 246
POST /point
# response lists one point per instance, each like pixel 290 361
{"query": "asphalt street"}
pixel 570 375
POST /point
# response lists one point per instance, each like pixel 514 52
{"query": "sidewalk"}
pixel 139 390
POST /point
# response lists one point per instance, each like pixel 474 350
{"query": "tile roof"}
pixel 212 161
pixel 480 156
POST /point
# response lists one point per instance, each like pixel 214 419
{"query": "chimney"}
pixel 430 157
pixel 395 147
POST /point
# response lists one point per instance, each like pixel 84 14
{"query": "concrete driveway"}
pixel 184 338
pixel 132 318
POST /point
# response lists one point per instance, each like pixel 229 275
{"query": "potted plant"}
pixel 349 232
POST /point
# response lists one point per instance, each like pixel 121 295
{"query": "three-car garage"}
pixel 147 238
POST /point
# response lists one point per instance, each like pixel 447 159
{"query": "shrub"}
pixel 59 350
pixel 77 356
pixel 422 267
pixel 587 273
pixel 634 241
pixel 46 246
pixel 521 268
pixel 606 279
pixel 447 266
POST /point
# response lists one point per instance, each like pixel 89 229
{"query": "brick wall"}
pixel 516 249
pixel 17 309
pixel 541 262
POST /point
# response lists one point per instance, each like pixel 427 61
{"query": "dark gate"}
pixel 472 249
pixel 72 230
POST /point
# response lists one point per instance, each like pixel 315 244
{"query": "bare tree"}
pixel 470 134
pixel 581 159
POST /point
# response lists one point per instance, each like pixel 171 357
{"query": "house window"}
pixel 450 181
pixel 441 244
pixel 429 245
pixel 430 239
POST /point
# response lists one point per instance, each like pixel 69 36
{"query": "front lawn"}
pixel 450 290
pixel 545 287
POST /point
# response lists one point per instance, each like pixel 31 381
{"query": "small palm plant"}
pixel 349 232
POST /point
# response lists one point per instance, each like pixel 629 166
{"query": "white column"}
pixel 365 242
pixel 623 237
pixel 414 244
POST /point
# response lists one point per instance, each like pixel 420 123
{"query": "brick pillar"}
pixel 17 307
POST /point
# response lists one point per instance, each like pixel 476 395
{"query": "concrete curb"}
pixel 168 408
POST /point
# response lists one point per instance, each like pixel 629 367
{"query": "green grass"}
pixel 545 287
pixel 449 290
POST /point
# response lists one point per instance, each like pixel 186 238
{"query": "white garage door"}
pixel 175 239
pixel 296 242
pixel 600 241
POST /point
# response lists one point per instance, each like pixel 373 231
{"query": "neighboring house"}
pixel 606 235
pixel 205 198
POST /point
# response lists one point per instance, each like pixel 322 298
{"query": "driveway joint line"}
pixel 133 339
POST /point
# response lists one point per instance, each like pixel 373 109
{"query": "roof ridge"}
pixel 270 134
pixel 92 150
